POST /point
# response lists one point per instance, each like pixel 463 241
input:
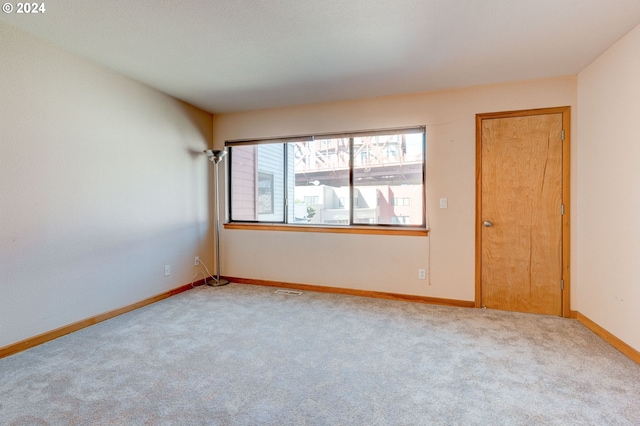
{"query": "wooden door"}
pixel 520 211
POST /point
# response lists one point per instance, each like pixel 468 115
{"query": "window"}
pixel 358 178
pixel 401 201
pixel 312 199
pixel 399 219
pixel 257 183
pixel 265 193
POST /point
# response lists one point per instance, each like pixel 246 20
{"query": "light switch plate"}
pixel 443 203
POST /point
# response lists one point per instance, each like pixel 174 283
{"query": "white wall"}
pixel 101 184
pixel 608 190
pixel 387 263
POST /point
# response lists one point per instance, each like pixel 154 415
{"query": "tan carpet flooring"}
pixel 243 355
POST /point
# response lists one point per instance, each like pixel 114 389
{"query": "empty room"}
pixel 288 212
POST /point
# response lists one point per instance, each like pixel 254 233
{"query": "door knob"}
pixel 488 223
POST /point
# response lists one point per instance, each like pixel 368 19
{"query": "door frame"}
pixel 566 189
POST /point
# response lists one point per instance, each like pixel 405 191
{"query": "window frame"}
pixel 352 227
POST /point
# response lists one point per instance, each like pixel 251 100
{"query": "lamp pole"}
pixel 216 156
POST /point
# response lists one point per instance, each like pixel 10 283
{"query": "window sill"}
pixel 370 230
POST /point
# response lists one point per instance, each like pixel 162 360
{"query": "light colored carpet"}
pixel 244 355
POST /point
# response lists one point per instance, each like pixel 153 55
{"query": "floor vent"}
pixel 289 292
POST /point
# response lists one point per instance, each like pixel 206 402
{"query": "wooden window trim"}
pixel 365 230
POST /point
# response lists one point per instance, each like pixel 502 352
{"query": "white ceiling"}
pixel 234 55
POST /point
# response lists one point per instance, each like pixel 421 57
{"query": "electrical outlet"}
pixel 167 270
pixel 196 261
pixel 422 274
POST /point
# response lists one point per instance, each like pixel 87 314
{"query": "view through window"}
pixel 363 178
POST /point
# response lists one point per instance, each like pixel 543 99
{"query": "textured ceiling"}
pixel 233 55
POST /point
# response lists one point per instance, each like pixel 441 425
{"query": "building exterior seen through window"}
pixel 265 193
pixel 359 179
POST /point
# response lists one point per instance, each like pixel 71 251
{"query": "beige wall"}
pixel 101 184
pixel 387 263
pixel 608 190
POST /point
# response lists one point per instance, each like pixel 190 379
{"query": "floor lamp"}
pixel 216 156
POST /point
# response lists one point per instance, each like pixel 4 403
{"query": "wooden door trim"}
pixel 566 190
